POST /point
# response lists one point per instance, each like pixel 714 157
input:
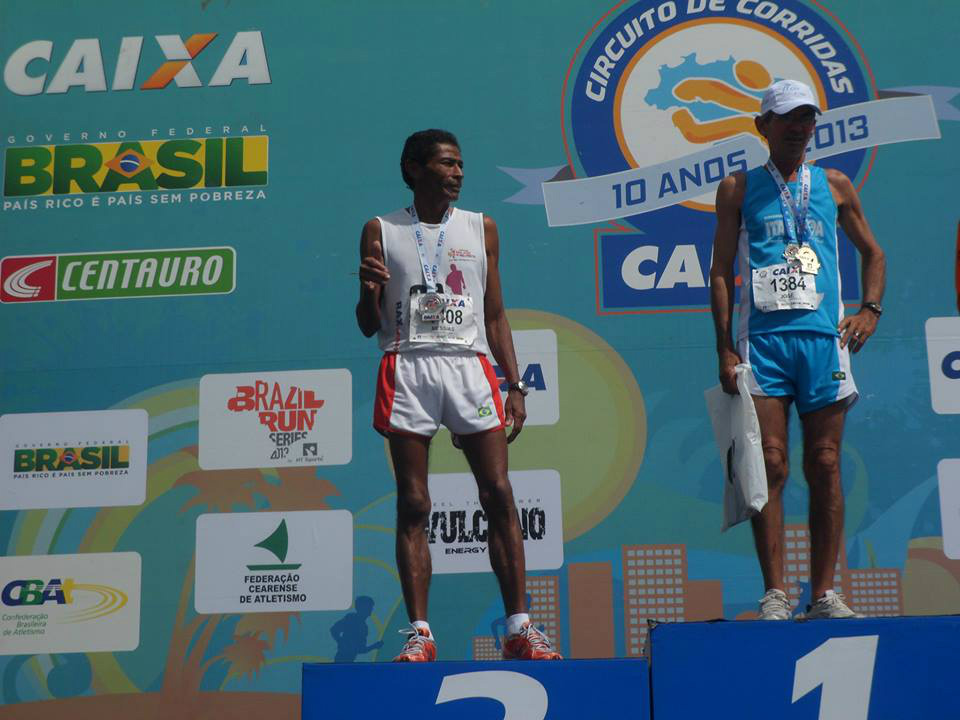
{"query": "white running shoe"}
pixel 774 605
pixel 829 607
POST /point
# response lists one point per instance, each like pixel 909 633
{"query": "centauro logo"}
pixel 93 457
pixel 120 274
pixel 82 66
pixel 91 601
pixel 133 165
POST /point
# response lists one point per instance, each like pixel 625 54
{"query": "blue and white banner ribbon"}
pixel 640 190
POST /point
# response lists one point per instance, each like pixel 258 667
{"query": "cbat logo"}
pixel 115 275
pixel 130 166
pixel 27 68
pixel 661 81
pixel 91 601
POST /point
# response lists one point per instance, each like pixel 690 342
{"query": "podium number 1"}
pixel 844 667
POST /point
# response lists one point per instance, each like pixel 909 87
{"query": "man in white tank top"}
pixel 430 289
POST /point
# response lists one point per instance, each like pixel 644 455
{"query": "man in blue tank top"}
pixel 780 220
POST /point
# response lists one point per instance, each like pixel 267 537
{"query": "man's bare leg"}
pixel 822 435
pixel 768 523
pixel 409 455
pixel 487 454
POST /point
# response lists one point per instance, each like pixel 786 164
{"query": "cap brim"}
pixel 789 106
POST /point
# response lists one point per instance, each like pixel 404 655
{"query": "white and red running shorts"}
pixel 418 392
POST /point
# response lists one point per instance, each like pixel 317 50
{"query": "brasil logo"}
pixel 660 81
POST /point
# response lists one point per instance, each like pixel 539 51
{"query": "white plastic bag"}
pixel 737 431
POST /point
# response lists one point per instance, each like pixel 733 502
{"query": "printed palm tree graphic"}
pixel 189 657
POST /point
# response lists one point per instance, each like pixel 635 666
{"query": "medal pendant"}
pixel 790 252
pixel 430 307
pixel 809 262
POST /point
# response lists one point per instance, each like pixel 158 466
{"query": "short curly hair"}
pixel 419 148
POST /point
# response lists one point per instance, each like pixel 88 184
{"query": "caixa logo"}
pixel 943 361
pixel 29 70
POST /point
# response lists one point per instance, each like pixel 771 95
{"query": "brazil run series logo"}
pixel 659 81
pixel 275 419
pixel 119 274
pixel 42 66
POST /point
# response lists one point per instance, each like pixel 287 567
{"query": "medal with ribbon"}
pixel 794 215
pixel 431 304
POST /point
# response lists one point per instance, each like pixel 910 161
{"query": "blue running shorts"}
pixel 809 367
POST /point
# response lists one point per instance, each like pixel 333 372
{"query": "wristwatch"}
pixel 520 386
pixel 875 308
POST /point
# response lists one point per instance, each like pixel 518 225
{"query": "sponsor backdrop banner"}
pixel 70 603
pixel 197 172
pixel 274 562
pixel 457 533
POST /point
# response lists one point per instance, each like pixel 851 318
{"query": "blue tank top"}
pixel 762 242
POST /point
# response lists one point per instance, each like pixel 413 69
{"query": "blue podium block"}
pixel 507 690
pixel 869 669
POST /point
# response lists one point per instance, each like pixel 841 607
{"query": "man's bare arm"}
pixel 856 329
pixel 729 200
pixel 373 275
pixel 498 328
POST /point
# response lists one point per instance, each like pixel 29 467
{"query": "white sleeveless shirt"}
pixel 462 271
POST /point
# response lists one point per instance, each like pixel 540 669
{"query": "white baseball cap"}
pixel 785 95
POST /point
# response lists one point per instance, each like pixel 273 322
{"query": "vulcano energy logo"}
pixel 122 274
pixel 134 165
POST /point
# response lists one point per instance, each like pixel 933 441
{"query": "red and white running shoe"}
pixel 418 647
pixel 529 644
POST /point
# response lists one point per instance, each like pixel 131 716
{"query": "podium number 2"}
pixel 844 667
pixel 522 697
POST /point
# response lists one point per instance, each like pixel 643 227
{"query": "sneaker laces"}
pixel 775 600
pixel 415 641
pixel 832 599
pixel 537 639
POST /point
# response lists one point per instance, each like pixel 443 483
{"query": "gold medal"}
pixel 809 262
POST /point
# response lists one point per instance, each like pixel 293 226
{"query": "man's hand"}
pixel 373 272
pixel 729 360
pixel 515 411
pixel 856 329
